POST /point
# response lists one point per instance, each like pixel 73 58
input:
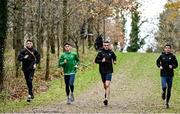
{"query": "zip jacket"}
pixel 72 60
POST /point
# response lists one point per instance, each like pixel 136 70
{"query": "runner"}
pixel 167 62
pixel 106 58
pixel 69 61
pixel 29 58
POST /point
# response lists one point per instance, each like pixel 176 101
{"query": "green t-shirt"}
pixel 72 61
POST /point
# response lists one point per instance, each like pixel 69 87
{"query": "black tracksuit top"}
pixel 28 63
pixel 165 60
pixel 107 66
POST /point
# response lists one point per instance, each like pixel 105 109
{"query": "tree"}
pixel 18 31
pixel 135 41
pixel 169 26
pixel 65 21
pixel 3 29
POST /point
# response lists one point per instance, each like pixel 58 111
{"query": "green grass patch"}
pixel 136 66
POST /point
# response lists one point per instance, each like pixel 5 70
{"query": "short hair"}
pixel 106 42
pixel 169 45
pixel 29 41
pixel 67 44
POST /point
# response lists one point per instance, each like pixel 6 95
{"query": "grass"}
pixel 139 67
pixel 136 67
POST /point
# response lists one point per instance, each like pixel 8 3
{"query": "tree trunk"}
pixel 65 22
pixel 83 45
pixel 40 31
pixel 18 34
pixel 3 29
pixel 90 32
pixel 52 39
pixel 48 43
pixel 77 48
pixel 47 59
pixel 58 39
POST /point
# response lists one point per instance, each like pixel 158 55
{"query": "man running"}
pixel 29 58
pixel 106 58
pixel 167 62
pixel 69 61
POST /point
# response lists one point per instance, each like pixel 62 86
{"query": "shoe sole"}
pixel 105 102
pixel 28 100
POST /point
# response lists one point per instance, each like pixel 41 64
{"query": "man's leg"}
pixel 71 83
pixel 169 86
pixel 107 87
pixel 163 84
pixel 31 83
pixel 104 83
pixel 66 80
pixel 29 77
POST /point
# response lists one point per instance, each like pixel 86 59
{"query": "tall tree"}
pixel 3 29
pixel 135 41
pixel 18 29
pixel 169 26
pixel 65 21
pixel 40 18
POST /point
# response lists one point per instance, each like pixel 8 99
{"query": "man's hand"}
pixel 34 67
pixel 114 62
pixel 65 61
pixel 170 66
pixel 26 56
pixel 103 60
pixel 76 66
pixel 161 67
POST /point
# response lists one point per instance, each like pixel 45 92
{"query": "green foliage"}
pixel 135 41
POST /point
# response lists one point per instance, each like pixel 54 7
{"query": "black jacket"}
pixel 28 63
pixel 107 66
pixel 165 60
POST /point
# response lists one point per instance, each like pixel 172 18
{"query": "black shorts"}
pixel 106 77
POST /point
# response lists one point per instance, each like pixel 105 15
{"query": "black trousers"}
pixel 29 78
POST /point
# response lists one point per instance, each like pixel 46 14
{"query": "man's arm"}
pixel 175 62
pixel 158 61
pixel 21 55
pixel 114 57
pixel 38 57
pixel 98 58
pixel 61 61
pixel 77 59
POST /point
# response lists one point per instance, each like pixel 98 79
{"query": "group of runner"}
pixel 69 61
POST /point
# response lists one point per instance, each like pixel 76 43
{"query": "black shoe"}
pixel 163 96
pixel 29 98
pixel 32 97
pixel 105 102
pixel 167 106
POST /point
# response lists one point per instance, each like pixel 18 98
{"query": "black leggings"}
pixel 29 78
pixel 69 81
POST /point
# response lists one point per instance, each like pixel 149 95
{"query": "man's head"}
pixel 167 48
pixel 106 45
pixel 29 44
pixel 67 47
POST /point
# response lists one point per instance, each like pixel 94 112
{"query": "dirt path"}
pixel 127 95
